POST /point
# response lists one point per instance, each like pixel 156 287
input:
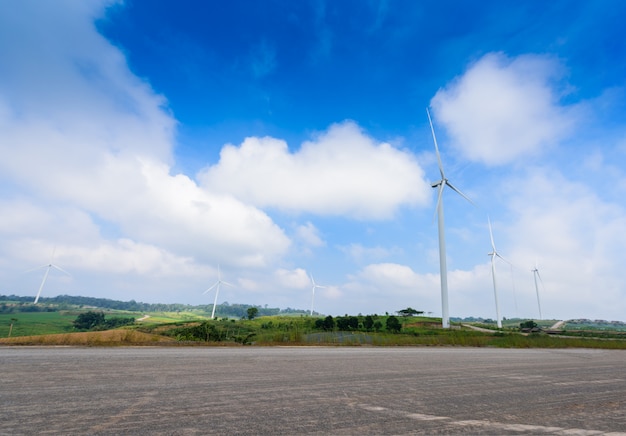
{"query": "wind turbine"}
pixel 494 253
pixel 45 276
pixel 535 275
pixel 217 290
pixel 313 292
pixel 440 185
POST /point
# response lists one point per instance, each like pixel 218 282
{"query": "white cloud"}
pixel 577 239
pixel 359 253
pixel 388 287
pixel 87 148
pixel 502 109
pixel 295 279
pixel 342 172
pixel 309 234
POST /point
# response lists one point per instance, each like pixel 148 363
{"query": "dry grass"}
pixel 104 338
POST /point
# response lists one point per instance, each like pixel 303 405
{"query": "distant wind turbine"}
pixel 494 253
pixel 313 292
pixel 45 276
pixel 535 276
pixel 217 289
pixel 440 185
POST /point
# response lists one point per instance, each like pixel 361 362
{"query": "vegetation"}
pixel 17 304
pixel 60 322
pixel 36 323
pixel 409 312
pixel 393 324
pixel 252 312
pixel 96 321
pixel 529 325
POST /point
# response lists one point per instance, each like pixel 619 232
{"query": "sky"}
pixel 146 144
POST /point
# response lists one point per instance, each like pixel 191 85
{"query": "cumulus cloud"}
pixel 504 108
pixel 295 279
pixel 79 129
pixel 577 239
pixel 341 172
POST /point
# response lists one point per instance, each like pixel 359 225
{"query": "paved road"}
pixel 311 390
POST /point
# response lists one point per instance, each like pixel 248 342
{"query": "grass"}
pixel 36 323
pixel 55 328
pixel 104 338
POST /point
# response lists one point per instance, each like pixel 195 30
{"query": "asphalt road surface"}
pixel 311 390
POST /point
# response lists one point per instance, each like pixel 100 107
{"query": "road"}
pixel 311 390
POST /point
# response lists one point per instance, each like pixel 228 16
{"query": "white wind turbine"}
pixel 45 276
pixel 494 253
pixel 217 290
pixel 535 275
pixel 440 185
pixel 315 285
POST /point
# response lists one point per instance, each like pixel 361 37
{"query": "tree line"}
pixel 367 323
pixel 97 321
pixel 15 303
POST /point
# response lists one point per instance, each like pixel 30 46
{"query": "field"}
pixel 192 328
pixel 36 323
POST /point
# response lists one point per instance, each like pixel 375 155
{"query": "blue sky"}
pixel 144 143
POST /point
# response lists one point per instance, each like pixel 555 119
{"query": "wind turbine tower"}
pixel 313 293
pixel 494 253
pixel 217 290
pixel 440 185
pixel 535 276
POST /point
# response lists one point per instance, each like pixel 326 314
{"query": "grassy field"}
pixel 193 328
pixel 46 323
pixel 36 323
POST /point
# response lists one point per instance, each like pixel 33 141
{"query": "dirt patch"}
pixel 424 324
pixel 109 337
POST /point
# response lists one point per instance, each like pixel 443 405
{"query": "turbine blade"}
pixel 37 268
pixel 493 244
pixel 498 254
pixel 459 192
pixel 432 129
pixel 539 275
pixel 60 269
pixel 210 288
pixel 227 284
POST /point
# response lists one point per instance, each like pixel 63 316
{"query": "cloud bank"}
pixel 342 172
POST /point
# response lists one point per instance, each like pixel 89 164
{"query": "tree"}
pixel 530 324
pixel 88 320
pixel 252 312
pixel 393 324
pixel 329 323
pixel 409 312
pixel 368 322
pixel 377 325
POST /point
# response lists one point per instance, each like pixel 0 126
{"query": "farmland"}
pixel 56 323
